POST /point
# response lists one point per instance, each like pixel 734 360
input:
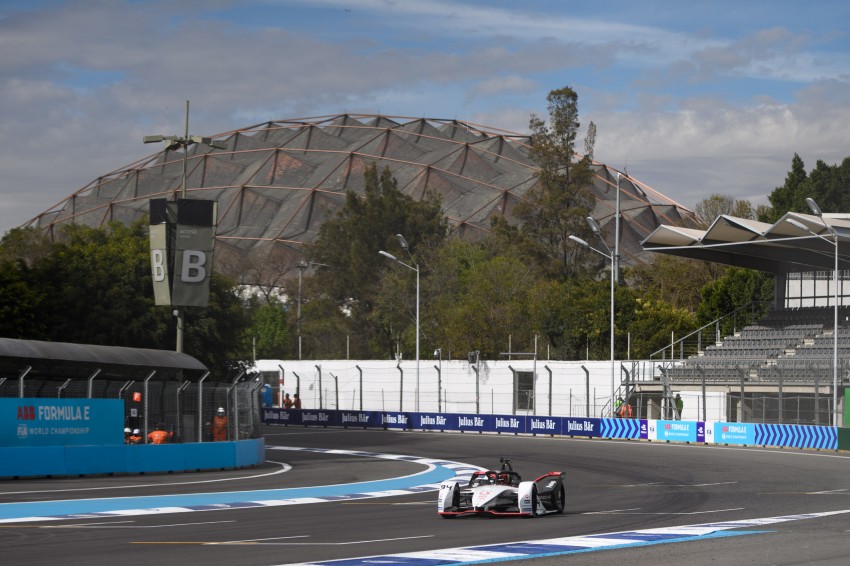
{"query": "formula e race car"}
pixel 502 492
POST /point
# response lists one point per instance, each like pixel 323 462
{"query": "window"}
pixel 524 390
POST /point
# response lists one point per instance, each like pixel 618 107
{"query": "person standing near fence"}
pixel 296 403
pixel 219 425
pixel 287 402
pixel 159 436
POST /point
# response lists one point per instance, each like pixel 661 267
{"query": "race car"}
pixel 502 492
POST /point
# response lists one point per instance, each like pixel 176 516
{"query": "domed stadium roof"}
pixel 276 183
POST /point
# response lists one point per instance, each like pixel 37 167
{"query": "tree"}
pixel 654 322
pixel 790 196
pixel 560 201
pixel 826 184
pixel 738 288
pixel 20 303
pixel 24 244
pixel 93 286
pixel 348 244
pixel 268 330
pixel 674 280
pixel 707 210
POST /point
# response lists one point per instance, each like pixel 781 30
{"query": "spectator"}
pixel 219 425
pixel 287 402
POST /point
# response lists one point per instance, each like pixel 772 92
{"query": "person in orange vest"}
pixel 287 402
pixel 219 425
pixel 127 434
pixel 624 411
pixel 159 435
pixel 296 403
pixel 135 437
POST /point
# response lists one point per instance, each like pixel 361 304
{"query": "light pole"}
pixel 439 353
pixel 817 212
pixel 415 267
pixel 175 142
pixel 612 257
pixel 301 266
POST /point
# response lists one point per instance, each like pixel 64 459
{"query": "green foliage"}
pixel 269 332
pixel 94 287
pixel 25 245
pixel 489 313
pixel 559 203
pixel 826 184
pixel 674 280
pixel 348 245
pixel 736 289
pixel 20 303
pixel 792 195
pixel 654 322
pixel 707 210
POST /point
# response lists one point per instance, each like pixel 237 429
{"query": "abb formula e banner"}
pixel 61 422
pixel 182 235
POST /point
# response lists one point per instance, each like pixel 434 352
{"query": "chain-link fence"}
pixel 187 410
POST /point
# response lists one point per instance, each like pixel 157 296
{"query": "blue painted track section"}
pixel 522 550
pixel 428 480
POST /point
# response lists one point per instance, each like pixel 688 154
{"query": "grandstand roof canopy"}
pixel 774 248
pixel 276 182
pixel 62 359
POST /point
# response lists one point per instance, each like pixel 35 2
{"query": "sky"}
pixel 692 98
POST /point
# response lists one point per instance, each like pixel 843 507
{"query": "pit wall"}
pixel 30 461
pixel 726 433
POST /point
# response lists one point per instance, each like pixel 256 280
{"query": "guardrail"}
pixel 727 433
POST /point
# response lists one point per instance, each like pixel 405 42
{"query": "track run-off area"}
pixel 343 496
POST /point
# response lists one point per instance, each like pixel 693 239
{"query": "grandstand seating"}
pixel 789 345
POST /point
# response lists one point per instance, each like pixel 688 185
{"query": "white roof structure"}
pixel 778 248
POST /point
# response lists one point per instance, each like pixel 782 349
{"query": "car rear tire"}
pixel 558 499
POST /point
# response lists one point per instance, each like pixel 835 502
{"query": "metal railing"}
pixel 185 409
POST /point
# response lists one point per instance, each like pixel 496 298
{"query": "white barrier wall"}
pixel 391 386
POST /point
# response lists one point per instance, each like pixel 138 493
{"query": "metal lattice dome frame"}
pixel 276 182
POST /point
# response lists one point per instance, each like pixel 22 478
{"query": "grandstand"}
pixel 796 357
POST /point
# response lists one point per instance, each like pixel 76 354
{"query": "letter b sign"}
pixel 193 269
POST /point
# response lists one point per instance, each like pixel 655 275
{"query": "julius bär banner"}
pixel 61 422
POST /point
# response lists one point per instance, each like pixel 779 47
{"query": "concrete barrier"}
pixel 34 461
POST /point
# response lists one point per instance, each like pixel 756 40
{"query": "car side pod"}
pixel 527 500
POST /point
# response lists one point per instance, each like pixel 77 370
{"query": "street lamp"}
pixel 817 212
pixel 175 142
pixel 439 353
pixel 302 265
pixel 612 257
pixel 415 267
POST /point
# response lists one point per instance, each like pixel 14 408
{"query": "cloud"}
pixel 690 112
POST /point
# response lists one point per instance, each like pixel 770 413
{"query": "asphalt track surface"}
pixel 612 487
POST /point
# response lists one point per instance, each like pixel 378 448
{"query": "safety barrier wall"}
pixel 744 434
pixel 27 461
